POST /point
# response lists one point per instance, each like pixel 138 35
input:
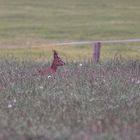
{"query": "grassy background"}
pixel 33 23
pixel 68 20
pixel 74 53
pixel 82 102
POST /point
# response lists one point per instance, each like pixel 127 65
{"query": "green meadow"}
pixel 82 100
pixel 73 53
pixel 33 23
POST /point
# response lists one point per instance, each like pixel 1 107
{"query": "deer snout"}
pixel 63 63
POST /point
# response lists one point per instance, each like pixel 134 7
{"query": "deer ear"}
pixel 55 54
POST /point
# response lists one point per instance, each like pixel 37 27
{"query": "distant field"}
pixel 73 53
pixel 25 22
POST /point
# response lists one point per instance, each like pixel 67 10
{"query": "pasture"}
pixel 33 22
pixel 82 100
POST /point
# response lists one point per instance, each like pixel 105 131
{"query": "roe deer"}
pixel 57 61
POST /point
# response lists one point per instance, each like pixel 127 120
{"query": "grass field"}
pixel 80 102
pixel 73 53
pixel 48 21
pixel 32 23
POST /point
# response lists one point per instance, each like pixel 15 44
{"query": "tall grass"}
pixel 81 101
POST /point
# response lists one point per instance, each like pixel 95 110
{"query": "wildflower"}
pixel 138 82
pixel 49 76
pixel 14 100
pixel 9 106
pixel 133 80
pixel 80 64
pixel 92 99
pixel 71 94
pixel 41 87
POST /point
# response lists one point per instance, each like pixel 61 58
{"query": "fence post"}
pixel 96 52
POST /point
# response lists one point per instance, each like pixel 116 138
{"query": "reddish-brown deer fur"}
pixel 57 61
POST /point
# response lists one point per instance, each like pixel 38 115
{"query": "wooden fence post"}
pixel 96 52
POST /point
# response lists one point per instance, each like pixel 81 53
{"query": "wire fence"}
pixel 96 45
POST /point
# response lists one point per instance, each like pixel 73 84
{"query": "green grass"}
pixel 80 102
pixel 32 23
pixel 69 53
pixel 48 21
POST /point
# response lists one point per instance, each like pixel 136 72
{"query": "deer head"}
pixel 57 61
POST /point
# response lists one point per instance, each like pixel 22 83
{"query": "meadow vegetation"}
pixel 73 53
pixel 81 101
